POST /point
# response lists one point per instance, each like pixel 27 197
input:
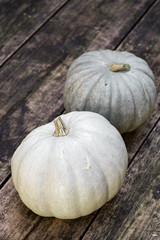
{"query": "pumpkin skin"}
pixel 125 98
pixel 73 175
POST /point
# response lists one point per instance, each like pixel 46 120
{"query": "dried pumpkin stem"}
pixel 119 67
pixel 60 128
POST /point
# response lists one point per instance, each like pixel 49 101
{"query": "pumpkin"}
pixel 70 167
pixel 118 85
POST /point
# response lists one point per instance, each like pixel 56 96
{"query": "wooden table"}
pixel 38 41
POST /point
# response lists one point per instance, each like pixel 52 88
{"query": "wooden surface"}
pixel 38 42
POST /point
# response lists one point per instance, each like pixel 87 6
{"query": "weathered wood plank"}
pixel 19 20
pixel 133 214
pixel 36 64
pixel 41 107
pixel 28 115
pixel 144 42
pixel 90 26
pixel 9 218
pixel 18 224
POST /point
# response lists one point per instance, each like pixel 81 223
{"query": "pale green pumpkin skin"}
pixel 73 175
pixel 125 98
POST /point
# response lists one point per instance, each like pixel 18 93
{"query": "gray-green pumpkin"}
pixel 118 85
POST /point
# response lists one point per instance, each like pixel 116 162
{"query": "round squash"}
pixel 117 85
pixel 70 167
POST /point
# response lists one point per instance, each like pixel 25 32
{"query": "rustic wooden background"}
pixel 38 42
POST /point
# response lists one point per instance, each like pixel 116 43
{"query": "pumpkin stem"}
pixel 60 128
pixel 119 67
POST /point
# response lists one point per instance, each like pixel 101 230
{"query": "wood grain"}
pixel 133 209
pixel 10 217
pixel 144 42
pixel 134 212
pixel 19 20
pixel 92 25
pixel 40 65
pixel 18 224
pixel 135 142
pixel 42 105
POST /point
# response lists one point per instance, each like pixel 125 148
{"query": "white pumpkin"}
pixel 72 172
pixel 117 85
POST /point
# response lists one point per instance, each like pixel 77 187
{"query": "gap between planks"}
pixel 30 92
pixel 51 15
pixel 12 109
pixel 65 60
pixel 134 156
